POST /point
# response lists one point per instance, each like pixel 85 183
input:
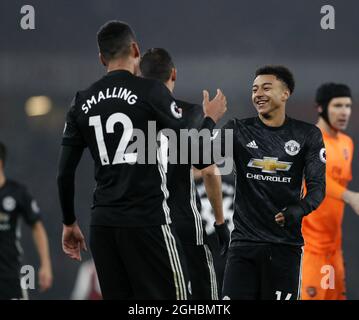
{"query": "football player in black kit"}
pixel 16 204
pixel 157 63
pixel 136 251
pixel 273 156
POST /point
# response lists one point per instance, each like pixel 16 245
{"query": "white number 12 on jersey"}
pixel 120 155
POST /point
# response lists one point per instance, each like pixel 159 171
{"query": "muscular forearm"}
pixel 213 185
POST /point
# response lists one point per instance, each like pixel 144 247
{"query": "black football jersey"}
pixel 184 201
pixel 104 118
pixel 15 203
pixel 271 164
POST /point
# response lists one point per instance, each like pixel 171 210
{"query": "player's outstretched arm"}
pixel 337 191
pixel 42 245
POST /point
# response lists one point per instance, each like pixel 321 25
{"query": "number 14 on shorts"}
pixel 279 295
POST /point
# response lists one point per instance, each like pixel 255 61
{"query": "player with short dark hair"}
pixel 135 249
pixel 322 230
pixel 281 73
pixel 114 40
pixel 157 63
pixel 273 153
pixel 15 204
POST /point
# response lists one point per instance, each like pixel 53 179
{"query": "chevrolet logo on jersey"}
pixel 270 165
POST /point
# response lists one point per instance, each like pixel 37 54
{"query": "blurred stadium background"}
pixel 213 43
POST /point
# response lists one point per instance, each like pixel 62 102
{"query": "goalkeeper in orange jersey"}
pixel 323 265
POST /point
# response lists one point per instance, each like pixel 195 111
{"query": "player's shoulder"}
pixel 346 139
pixel 153 90
pixel 143 86
pixel 185 105
pixel 150 85
pixel 245 122
pixel 303 126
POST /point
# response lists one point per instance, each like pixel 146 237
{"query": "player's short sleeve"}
pixel 168 113
pixel 72 135
pixel 29 208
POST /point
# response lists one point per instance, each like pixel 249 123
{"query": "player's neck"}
pixel 121 65
pixel 2 179
pixel 170 85
pixel 275 119
pixel 324 126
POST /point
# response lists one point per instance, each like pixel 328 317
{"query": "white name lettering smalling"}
pixel 113 93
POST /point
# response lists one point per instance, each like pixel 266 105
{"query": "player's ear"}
pixel 286 95
pixel 102 59
pixel 174 74
pixel 319 109
pixel 135 50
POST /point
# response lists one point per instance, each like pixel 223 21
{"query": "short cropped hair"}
pixel 281 73
pixel 157 63
pixel 114 39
